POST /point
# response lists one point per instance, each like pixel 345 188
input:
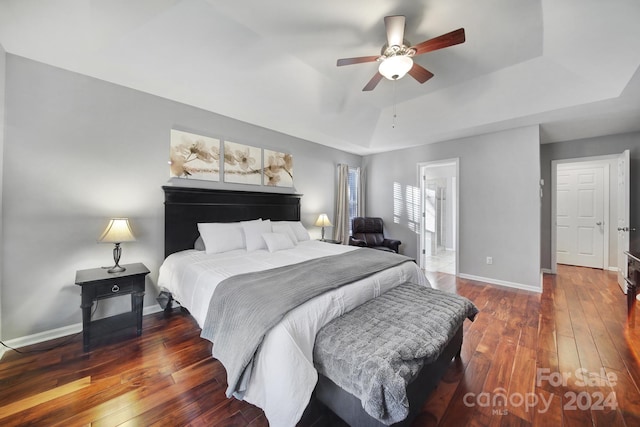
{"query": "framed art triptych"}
pixel 195 156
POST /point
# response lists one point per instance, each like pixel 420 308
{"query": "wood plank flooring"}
pixel 563 357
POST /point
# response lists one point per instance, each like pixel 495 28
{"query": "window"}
pixel 354 185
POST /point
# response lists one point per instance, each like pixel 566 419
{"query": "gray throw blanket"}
pixel 245 307
pixel 376 349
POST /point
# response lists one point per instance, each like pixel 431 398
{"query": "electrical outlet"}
pixel 489 260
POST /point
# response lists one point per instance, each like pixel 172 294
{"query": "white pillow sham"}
pixel 253 231
pixel 277 241
pixel 301 233
pixel 284 228
pixel 298 229
pixel 198 245
pixel 221 237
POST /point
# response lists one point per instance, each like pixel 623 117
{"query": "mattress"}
pixel 284 375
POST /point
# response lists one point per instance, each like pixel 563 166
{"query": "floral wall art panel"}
pixel 194 156
pixel 278 169
pixel 242 163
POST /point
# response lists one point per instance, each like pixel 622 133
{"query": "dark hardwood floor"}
pixel 514 358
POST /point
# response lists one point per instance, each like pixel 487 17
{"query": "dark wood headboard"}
pixel 185 207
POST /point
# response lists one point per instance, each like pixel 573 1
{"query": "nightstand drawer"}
pixel 114 287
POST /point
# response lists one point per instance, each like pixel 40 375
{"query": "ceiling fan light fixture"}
pixel 395 67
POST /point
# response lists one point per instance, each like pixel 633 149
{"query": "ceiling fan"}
pixel 396 55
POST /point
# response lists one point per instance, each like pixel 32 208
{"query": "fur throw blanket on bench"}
pixel 375 350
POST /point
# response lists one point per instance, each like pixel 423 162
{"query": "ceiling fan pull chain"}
pixel 393 125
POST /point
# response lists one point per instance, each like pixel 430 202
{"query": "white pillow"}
pixel 199 244
pixel 277 241
pixel 284 228
pixel 301 233
pixel 221 237
pixel 253 231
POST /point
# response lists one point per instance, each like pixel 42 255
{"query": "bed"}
pixel 281 377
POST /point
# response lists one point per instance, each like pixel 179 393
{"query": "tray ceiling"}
pixel 570 66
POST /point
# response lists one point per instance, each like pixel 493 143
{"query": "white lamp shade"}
pixel 323 221
pixel 395 67
pixel 117 231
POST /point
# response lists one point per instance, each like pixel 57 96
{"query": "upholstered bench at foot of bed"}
pixel 349 408
pixel 376 368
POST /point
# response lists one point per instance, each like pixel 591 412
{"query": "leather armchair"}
pixel 367 232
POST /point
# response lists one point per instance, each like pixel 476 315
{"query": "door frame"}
pixel 625 215
pixel 596 160
pixel 456 188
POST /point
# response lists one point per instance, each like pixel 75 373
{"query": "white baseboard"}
pixel 520 286
pixel 58 333
pixel 610 268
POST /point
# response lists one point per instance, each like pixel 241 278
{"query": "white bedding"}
pixel 284 376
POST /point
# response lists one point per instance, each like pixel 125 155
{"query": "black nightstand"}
pixel 97 284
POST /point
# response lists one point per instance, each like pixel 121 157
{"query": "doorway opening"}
pixel 438 237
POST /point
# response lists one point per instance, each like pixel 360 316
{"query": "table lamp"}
pixel 323 221
pixel 117 231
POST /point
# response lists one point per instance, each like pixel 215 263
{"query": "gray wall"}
pixel 78 151
pixel 601 146
pixel 499 211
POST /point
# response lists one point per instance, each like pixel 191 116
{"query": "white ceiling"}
pixel 570 66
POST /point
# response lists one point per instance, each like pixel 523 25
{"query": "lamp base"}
pixel 117 252
pixel 116 269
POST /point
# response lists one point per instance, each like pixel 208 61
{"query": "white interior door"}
pixel 623 216
pixel 580 215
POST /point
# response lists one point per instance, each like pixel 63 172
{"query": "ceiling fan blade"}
pixel 420 73
pixel 373 82
pixel 445 40
pixel 359 60
pixel 395 29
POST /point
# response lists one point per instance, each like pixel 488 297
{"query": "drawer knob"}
pixel 115 288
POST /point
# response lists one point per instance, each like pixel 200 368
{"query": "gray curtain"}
pixel 341 227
